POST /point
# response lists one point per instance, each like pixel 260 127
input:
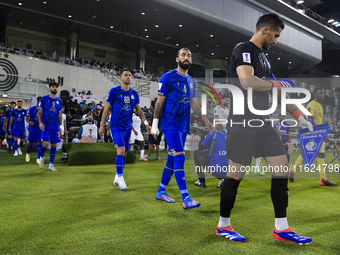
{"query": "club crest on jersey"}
pixel 191 85
pixel 132 97
pixel 246 57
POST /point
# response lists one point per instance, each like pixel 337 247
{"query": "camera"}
pixel 202 130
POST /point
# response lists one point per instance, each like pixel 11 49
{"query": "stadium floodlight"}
pixel 335 23
pixel 331 20
pixel 300 2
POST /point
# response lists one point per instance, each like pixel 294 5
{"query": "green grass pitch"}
pixel 77 210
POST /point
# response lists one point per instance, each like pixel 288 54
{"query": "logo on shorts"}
pixel 311 146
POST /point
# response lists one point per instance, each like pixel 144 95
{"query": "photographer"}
pixel 211 156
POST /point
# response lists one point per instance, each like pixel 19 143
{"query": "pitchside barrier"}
pixel 93 154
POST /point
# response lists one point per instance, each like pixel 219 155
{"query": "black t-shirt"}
pixel 247 53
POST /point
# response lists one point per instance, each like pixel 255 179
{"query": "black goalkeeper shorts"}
pixel 242 147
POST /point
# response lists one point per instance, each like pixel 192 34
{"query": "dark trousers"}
pixel 198 156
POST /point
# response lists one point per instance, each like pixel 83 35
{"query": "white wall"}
pixel 74 77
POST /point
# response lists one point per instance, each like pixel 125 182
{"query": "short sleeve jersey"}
pixel 316 110
pixel 8 116
pixel 283 130
pixel 19 119
pixel 136 122
pixel 219 148
pixel 178 91
pixel 50 112
pixel 33 116
pixel 122 104
pixel 247 53
pixel 221 113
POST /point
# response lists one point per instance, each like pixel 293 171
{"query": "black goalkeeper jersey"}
pixel 247 53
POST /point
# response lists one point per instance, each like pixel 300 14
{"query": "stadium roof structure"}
pixel 126 25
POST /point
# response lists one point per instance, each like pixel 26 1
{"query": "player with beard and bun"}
pixel 49 116
pixel 8 115
pixel 250 68
pixel 176 97
pixel 34 132
pixel 17 126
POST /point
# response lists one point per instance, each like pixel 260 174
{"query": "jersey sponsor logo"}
pixel 159 86
pixel 246 57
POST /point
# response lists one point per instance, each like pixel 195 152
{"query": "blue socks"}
pixel 53 151
pixel 21 143
pixel 10 142
pixel 42 151
pixel 120 161
pixel 167 173
pixel 28 149
pixel 39 148
pixel 180 175
pixel 15 145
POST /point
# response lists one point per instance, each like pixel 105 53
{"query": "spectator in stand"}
pixel 73 93
pixel 54 55
pixel 89 130
pixel 100 105
pixel 97 116
pixel 68 105
pixel 83 105
pixel 88 113
pixel 75 104
pixel 94 106
pixel 69 121
pixel 89 95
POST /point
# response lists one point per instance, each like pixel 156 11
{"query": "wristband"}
pixel 297 114
pixel 146 123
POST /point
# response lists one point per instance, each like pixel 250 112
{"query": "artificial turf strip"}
pixel 77 210
pixel 93 154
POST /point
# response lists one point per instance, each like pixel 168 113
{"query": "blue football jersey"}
pixel 179 91
pixel 50 112
pixel 8 115
pixel 2 120
pixel 19 119
pixel 122 104
pixel 33 116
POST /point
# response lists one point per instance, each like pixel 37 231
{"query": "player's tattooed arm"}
pixel 158 106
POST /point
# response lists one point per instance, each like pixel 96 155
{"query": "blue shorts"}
pixel 121 138
pixel 34 135
pixel 19 133
pixel 175 140
pixel 51 136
